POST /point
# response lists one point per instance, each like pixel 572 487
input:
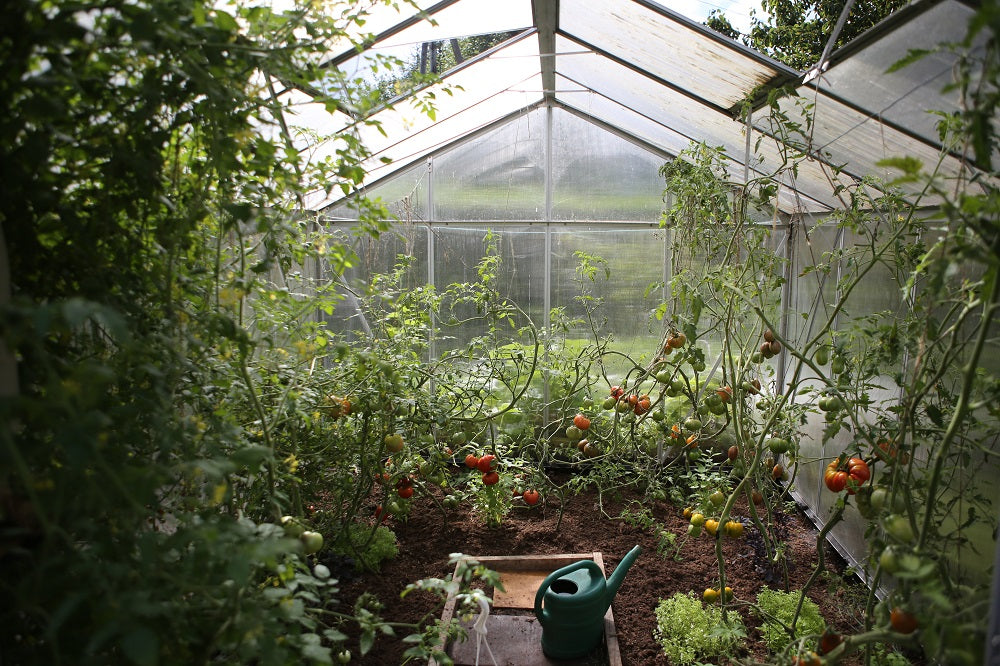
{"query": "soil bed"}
pixel 428 538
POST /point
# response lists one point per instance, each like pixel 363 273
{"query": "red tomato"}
pixel 829 641
pixel 471 461
pixel 617 392
pixel 835 480
pixel 858 470
pixel 902 621
pixel 642 406
pixel 725 393
pixel 486 463
pixel 406 492
pixel 490 478
pixel 531 497
pixel 581 421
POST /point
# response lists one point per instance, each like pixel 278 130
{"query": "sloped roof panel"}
pixel 467 100
pixel 906 96
pixel 650 37
pixel 645 72
pixel 456 20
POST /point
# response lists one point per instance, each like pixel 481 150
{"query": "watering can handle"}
pixel 543 614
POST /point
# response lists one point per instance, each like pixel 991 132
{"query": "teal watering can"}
pixel 571 603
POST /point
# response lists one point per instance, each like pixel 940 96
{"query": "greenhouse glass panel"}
pixel 593 104
pixel 458 252
pixel 377 18
pixel 647 97
pixel 405 246
pixel 459 20
pixel 467 100
pixel 857 142
pixel 716 70
pixel 405 195
pixel 626 296
pixel 599 176
pixel 905 96
pixel 497 176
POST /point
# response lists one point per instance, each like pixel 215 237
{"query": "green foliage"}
pixel 690 632
pixel 779 609
pixel 370 547
pixel 795 32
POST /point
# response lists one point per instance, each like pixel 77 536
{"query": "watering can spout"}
pixel 616 578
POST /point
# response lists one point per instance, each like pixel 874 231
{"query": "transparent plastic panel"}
pixel 497 176
pixel 468 18
pixel 466 101
pixel 905 96
pixel 458 251
pixel 404 194
pixel 646 96
pixel 714 70
pixel 812 294
pixel 599 176
pixel 405 244
pixel 858 142
pixel 625 119
pixel 362 20
pixel 635 260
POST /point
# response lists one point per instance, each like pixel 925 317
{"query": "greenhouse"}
pixel 522 332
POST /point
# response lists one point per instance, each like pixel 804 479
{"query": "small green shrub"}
pixel 690 632
pixel 368 548
pixel 778 608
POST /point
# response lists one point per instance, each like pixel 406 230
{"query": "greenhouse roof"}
pixel 662 81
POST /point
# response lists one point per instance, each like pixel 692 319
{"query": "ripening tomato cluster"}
pixel 485 464
pixel 837 479
pixel 617 400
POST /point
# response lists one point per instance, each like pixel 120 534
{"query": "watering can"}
pixel 571 603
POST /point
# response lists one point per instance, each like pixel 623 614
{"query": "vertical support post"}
pixel 547 299
pixel 432 344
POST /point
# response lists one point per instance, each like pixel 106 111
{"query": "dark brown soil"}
pixel 428 537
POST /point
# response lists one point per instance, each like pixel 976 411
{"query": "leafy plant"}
pixel 779 610
pixel 690 632
pixel 369 547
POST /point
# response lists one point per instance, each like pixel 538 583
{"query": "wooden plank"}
pixel 519 588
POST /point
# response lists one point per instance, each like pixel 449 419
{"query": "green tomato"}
pixel 889 560
pixel 822 356
pixel 692 425
pixel 717 498
pixel 293 528
pixel 313 541
pixel 837 366
pixel 878 499
pixel 899 528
